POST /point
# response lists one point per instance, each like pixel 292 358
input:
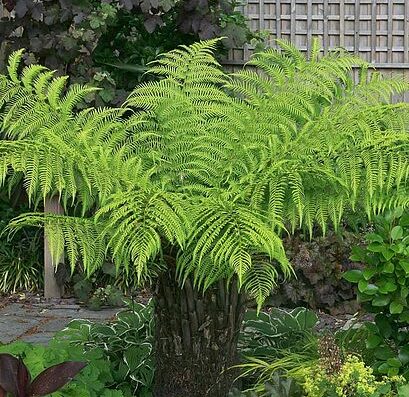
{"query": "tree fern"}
pixel 207 167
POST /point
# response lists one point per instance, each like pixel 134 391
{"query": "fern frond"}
pixel 82 237
pixel 13 64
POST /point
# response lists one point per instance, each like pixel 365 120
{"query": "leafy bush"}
pixel 383 289
pixel 319 264
pixel 95 380
pixel 283 355
pixel 264 334
pixel 354 379
pixel 126 344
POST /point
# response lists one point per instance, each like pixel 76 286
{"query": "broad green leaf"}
pixel 369 273
pixel 383 368
pixel 362 285
pixel 397 233
pixel 387 253
pixel 404 317
pixel 394 362
pixel 358 254
pixel 375 247
pixel 404 354
pixel 384 352
pixel 371 289
pixel 373 341
pixel 393 371
pixel 388 267
pixel 395 307
pixel 388 286
pixel 404 220
pixel 403 390
pixel 383 325
pixel 306 319
pixel 373 237
pixel 404 265
pixel 353 276
pixel 381 300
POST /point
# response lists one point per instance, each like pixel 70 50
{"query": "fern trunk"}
pixel 196 338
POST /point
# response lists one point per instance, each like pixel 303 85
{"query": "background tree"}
pixel 194 179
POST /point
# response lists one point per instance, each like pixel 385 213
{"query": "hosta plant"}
pixel 15 379
pixel 126 343
pixel 193 181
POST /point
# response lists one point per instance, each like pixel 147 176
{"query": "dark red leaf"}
pixel 2 392
pixel 14 376
pixel 54 378
pixel 23 379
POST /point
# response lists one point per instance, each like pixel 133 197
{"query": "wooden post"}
pixel 52 289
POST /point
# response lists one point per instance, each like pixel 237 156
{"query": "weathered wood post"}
pixel 52 289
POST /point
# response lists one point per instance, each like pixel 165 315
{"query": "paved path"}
pixel 37 322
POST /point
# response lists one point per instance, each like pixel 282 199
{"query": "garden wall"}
pixel 376 30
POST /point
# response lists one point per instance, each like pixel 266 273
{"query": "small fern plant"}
pixel 199 173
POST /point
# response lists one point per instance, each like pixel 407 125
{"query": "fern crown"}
pixel 204 166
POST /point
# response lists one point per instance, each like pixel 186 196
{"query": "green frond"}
pixel 55 90
pixel 75 94
pixel 260 280
pixel 228 233
pixel 190 64
pixel 291 51
pixel 135 222
pixel 82 237
pixel 41 84
pixel 315 49
pixel 30 73
pixel 13 64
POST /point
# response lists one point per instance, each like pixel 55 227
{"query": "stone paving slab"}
pixel 37 323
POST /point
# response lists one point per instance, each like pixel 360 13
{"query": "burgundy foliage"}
pixel 15 378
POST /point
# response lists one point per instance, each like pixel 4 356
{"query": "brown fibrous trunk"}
pixel 196 338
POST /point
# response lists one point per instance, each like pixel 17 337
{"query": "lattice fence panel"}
pixel 376 30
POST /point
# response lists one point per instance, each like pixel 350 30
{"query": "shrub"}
pixel 319 264
pixel 383 289
pixel 21 258
pixel 354 379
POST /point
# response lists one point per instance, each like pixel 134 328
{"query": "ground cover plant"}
pixel 193 181
pixel 93 381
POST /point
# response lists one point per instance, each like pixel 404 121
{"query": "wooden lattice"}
pixel 377 30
